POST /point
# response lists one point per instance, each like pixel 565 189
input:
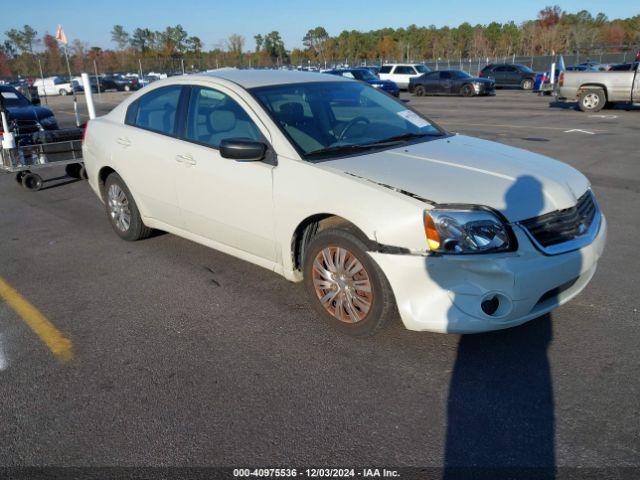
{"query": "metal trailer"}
pixel 27 161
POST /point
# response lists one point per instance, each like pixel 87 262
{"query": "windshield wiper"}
pixel 340 149
pixel 365 146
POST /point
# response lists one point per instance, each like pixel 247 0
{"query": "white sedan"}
pixel 331 182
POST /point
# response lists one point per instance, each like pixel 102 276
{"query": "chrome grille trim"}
pixel 560 231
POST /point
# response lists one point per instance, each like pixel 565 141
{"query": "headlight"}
pixel 48 122
pixel 465 231
pixel 376 85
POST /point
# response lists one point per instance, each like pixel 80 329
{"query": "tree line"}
pixel 23 51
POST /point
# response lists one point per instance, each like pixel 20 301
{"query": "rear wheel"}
pixel 592 100
pixel 73 170
pixel 32 181
pixel 467 90
pixel 419 91
pixel 63 92
pixel 122 210
pixel 344 284
pixel 526 84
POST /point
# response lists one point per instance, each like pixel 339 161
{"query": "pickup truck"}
pixel 593 90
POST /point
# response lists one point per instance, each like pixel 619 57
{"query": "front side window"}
pixel 330 119
pixel 156 111
pixel 214 116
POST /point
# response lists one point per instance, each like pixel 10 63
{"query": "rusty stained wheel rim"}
pixel 342 284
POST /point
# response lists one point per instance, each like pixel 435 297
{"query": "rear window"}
pixel 385 69
pixel 156 111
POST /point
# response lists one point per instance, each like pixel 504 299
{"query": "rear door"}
pixel 402 74
pixel 145 147
pixel 224 200
pixel 511 75
pixel 430 82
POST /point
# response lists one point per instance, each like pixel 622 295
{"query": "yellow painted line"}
pixel 59 345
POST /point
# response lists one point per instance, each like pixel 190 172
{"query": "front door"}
pixel 224 200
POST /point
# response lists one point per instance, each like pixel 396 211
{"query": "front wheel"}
pixel 419 91
pixel 592 100
pixel 526 84
pixel 467 91
pixel 345 285
pixel 63 92
pixel 122 210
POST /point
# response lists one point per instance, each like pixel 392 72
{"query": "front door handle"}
pixel 124 141
pixel 188 159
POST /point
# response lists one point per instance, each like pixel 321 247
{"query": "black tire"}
pixel 19 176
pixel 419 91
pixel 592 100
pixel 73 170
pixel 63 92
pixel 136 229
pixel 467 90
pixel 526 84
pixel 83 173
pixel 382 305
pixel 32 181
pixel 127 88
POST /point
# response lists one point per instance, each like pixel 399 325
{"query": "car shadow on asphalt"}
pixel 500 408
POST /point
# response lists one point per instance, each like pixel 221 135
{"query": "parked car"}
pixel 365 75
pixel 451 82
pixel 623 67
pixel 510 75
pixel 593 90
pixel 373 69
pixel 372 205
pixel 24 116
pixel 119 83
pixel 595 66
pixel 401 73
pixel 55 86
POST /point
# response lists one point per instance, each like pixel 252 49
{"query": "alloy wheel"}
pixel 119 208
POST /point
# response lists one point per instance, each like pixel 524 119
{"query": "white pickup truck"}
pixel 593 90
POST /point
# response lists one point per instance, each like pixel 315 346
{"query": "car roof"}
pixel 263 78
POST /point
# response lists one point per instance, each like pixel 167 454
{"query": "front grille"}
pixel 563 225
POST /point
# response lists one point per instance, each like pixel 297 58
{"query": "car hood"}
pixel 30 112
pixel 384 83
pixel 465 170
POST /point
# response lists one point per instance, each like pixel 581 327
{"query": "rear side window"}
pixel 214 116
pixel 405 71
pixel 445 75
pixel 385 69
pixel 156 111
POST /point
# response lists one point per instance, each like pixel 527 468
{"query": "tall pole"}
pixel 73 90
pixel 44 90
pixel 182 63
pixel 140 66
pixel 95 69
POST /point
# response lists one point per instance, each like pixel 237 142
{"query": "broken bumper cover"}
pixel 445 293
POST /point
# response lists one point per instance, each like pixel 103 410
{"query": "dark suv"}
pixel 510 75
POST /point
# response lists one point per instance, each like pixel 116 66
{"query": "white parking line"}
pixel 577 130
pixel 528 127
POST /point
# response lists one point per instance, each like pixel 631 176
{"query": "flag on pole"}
pixel 60 36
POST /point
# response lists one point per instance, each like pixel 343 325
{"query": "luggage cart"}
pixel 27 160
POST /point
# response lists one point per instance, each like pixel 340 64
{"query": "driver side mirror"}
pixel 243 149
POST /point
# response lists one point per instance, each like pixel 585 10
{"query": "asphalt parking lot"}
pixel 181 355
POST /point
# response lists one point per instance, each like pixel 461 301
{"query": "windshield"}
pixel 460 74
pixel 12 98
pixel 524 68
pixel 422 68
pixel 331 119
pixel 365 75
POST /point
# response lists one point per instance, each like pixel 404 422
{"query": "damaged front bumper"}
pixel 478 293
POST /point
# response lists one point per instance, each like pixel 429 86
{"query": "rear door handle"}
pixel 185 159
pixel 124 141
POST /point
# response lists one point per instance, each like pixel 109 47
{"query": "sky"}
pixel 213 21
